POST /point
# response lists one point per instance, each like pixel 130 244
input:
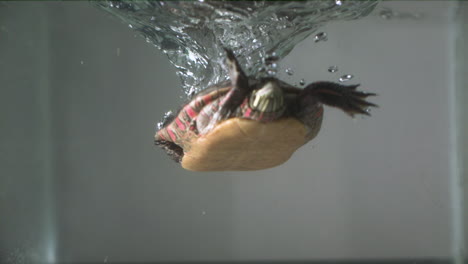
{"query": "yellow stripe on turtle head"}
pixel 269 98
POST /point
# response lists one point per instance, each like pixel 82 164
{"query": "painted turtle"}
pixel 251 123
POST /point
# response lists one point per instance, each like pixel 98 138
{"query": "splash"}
pixel 193 33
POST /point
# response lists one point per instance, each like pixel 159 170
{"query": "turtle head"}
pixel 268 98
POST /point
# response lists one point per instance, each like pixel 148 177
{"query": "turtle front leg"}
pixel 240 89
pixel 344 97
pixel 239 86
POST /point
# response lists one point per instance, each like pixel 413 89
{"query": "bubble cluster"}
pixel 193 33
pixel 270 63
pixel 166 118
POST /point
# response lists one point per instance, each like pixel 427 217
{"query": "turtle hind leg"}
pixel 172 149
pixel 344 97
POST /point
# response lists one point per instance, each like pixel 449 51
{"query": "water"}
pixel 81 182
pixel 193 33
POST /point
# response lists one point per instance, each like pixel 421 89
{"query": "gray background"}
pixel 82 181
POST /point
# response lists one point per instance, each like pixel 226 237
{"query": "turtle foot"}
pixel 345 97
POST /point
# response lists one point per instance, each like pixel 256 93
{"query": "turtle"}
pixel 252 123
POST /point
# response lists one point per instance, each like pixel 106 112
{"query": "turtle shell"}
pixel 247 140
pixel 244 144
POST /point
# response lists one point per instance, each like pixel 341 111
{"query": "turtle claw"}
pixel 361 94
pixel 344 97
pixel 353 86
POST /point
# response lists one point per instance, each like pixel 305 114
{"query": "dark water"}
pixel 193 33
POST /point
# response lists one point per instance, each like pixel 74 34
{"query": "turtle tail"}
pixel 344 97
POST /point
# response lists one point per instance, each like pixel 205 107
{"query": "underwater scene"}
pixel 325 131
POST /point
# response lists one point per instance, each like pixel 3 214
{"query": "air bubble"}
pixel 130 25
pixel 333 69
pixel 302 82
pixel 322 36
pixel 192 91
pixel 345 78
pixel 289 71
pixel 280 27
pixel 386 14
pixel 159 126
pixel 389 14
pixel 338 2
pixel 271 57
